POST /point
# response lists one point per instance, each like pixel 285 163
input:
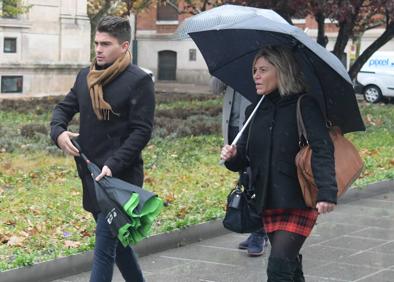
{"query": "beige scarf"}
pixel 99 78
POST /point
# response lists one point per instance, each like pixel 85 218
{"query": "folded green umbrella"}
pixel 129 210
pixel 141 206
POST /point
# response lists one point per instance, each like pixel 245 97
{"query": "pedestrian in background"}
pixel 270 149
pixel 116 103
pixel 233 117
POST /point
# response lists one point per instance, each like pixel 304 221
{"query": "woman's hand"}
pixel 228 151
pixel 325 207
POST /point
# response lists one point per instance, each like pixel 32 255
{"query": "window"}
pixel 167 65
pixel 11 84
pixel 9 45
pixel 192 54
pixel 167 11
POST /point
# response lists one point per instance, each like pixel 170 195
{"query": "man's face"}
pixel 108 49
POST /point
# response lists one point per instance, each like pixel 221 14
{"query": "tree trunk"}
pixel 93 26
pixel 345 30
pixel 321 38
pixel 386 36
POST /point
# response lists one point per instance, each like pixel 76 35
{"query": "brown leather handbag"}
pixel 348 163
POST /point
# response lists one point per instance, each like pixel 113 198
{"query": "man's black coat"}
pixel 116 142
pixel 273 145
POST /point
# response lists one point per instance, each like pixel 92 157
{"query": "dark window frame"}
pixel 192 55
pixel 14 50
pixel 19 88
pixel 166 12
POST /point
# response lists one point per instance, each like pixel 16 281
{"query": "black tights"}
pixel 285 245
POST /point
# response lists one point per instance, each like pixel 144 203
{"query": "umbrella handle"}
pixel 236 139
pixel 76 145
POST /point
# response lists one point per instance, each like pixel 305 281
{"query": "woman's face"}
pixel 264 76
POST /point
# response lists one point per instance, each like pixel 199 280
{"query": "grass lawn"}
pixel 40 194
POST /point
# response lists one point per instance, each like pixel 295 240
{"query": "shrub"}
pixel 30 130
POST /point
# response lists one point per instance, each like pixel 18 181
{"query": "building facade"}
pixel 42 51
pixel 169 59
pixel 181 60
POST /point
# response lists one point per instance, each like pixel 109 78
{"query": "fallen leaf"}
pixel 16 241
pixel 71 244
pixel 24 234
pixel 182 212
pixel 148 180
pixel 85 233
pixel 169 198
pixel 10 222
pixel 4 239
pixel 6 164
pixel 29 222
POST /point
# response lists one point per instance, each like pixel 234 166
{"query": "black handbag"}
pixel 241 215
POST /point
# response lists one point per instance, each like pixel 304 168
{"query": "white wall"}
pixel 53 42
pixel 149 47
pixel 371 35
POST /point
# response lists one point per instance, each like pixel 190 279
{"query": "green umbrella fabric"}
pixel 141 206
pixel 129 210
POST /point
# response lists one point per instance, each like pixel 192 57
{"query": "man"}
pixel 233 117
pixel 115 100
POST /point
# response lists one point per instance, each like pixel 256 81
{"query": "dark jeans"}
pixel 261 232
pixel 108 250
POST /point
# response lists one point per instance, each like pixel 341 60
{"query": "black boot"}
pixel 281 270
pixel 298 274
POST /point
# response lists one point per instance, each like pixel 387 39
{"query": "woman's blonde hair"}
pixel 290 76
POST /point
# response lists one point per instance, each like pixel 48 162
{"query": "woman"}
pixel 270 147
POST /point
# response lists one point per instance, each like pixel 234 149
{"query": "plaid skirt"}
pixel 299 221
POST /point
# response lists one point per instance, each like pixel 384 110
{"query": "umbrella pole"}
pixel 236 139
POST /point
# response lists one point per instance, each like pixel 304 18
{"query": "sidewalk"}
pixel 354 243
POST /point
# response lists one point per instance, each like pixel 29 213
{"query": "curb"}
pixel 371 190
pixel 71 265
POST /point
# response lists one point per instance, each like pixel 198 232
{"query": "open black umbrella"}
pixel 129 210
pixel 230 36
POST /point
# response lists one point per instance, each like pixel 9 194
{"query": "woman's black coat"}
pixel 116 142
pixel 271 148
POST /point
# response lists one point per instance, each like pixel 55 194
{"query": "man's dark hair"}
pixel 117 27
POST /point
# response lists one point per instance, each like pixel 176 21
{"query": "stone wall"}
pixel 52 44
pixel 41 79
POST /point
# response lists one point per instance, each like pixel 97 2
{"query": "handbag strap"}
pixel 302 135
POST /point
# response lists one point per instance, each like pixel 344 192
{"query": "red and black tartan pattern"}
pixel 299 221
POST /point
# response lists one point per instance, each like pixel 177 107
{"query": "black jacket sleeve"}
pixel 64 112
pixel 323 162
pixel 140 126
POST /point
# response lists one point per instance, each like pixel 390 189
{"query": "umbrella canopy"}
pixel 229 44
pixel 129 210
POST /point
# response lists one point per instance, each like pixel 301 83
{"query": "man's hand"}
pixel 106 171
pixel 64 142
pixel 325 207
